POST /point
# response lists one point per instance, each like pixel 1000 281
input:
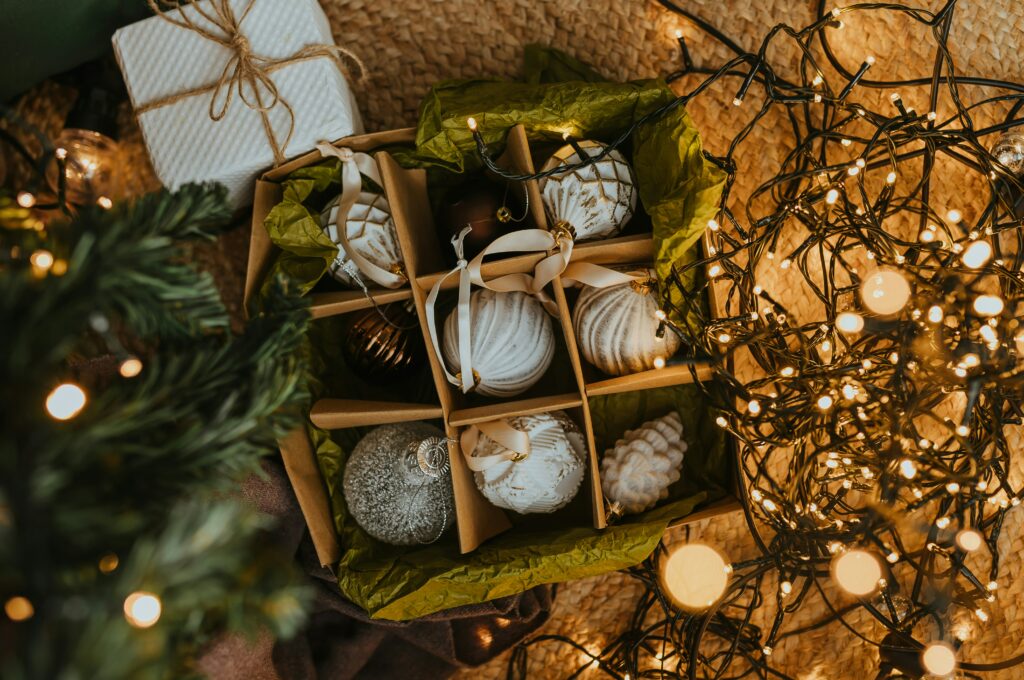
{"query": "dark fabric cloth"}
pixel 342 643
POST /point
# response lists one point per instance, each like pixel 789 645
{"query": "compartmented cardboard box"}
pixel 568 384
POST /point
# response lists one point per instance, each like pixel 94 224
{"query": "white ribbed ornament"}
pixel 371 231
pixel 544 481
pixel 617 330
pixel 637 472
pixel 595 201
pixel 511 339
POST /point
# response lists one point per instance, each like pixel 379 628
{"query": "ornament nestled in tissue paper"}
pixel 542 481
pixel 637 472
pixel 617 327
pixel 398 484
pixel 371 233
pixel 512 342
pixel 591 202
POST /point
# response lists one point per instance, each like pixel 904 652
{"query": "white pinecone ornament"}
pixel 637 472
pixel 592 202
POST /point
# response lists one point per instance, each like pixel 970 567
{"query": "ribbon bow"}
pixel 516 444
pixel 245 72
pixel 353 166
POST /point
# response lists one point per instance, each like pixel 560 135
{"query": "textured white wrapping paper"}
pixel 159 59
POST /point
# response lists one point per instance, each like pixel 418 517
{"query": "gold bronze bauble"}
pixel 384 342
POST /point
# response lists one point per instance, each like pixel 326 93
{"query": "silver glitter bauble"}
pixel 398 484
pixel 1009 150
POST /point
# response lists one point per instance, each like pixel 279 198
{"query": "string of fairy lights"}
pixel 875 437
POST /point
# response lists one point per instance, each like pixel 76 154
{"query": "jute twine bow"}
pixel 516 444
pixel 246 72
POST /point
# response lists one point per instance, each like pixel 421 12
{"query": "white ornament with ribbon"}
pixel 360 223
pixel 528 464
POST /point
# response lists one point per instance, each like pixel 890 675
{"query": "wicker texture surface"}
pixel 409 45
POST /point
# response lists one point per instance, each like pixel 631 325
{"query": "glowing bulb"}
pixel 938 658
pixel 969 540
pixel 988 305
pixel 19 608
pixel 885 292
pixel 130 367
pixel 832 196
pixel 857 572
pixel 659 362
pixel 713 225
pixel 927 236
pixel 963 431
pixel 694 576
pixel 890 178
pixel 786 587
pixel 849 322
pixel 977 254
pixel 852 172
pixel 714 270
pixel 660 315
pixel 142 609
pixel 471 123
pixel 679 33
pixel 787 372
pixel 954 215
pixel 754 407
pixel 907 468
pixel 65 401
pixel 26 199
pixel 737 101
pixel 849 391
pixel 935 314
pixel 942 522
pixel 970 360
pixel 825 402
pixel 721 422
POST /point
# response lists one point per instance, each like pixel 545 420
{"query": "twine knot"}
pixel 240 44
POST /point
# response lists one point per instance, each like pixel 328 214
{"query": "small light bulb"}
pixel 969 539
pixel 953 487
pixel 142 609
pixel 130 367
pixel 825 402
pixel 857 572
pixel 885 291
pixel 786 587
pixel 938 658
pixel 942 522
pixel 846 142
pixel 954 215
pixel 26 199
pixel 908 469
pixel 660 315
pixel 852 172
pixel 679 33
pixel 721 422
pixel 832 196
pixel 977 254
pixel 713 225
pixel 695 576
pixel 714 270
pixel 963 431
pixel 19 608
pixel 737 101
pixel 935 314
pixel 659 362
pixel 849 322
pixel 818 80
pixel 65 401
pixel 869 60
pixel 104 202
pixel 988 305
pixel 849 391
pixel 471 123
pixel 41 260
pixel 932 115
pixel 890 178
pixel 754 407
pixel 860 163
pixel 787 372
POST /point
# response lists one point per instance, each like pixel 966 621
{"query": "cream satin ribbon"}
pixel 354 164
pixel 524 240
pixel 516 443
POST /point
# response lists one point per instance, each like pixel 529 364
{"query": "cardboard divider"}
pixel 339 414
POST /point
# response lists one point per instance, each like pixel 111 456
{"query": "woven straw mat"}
pixel 408 45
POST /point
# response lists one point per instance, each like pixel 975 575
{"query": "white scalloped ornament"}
pixel 638 470
pixel 371 231
pixel 512 342
pixel 617 330
pixel 544 481
pixel 595 201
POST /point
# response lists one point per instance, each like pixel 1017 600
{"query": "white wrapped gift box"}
pixel 162 61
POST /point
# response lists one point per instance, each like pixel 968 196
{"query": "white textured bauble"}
pixel 543 481
pixel 617 330
pixel 595 201
pixel 637 472
pixel 511 339
pixel 371 232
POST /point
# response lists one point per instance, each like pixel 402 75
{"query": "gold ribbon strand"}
pixel 245 72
